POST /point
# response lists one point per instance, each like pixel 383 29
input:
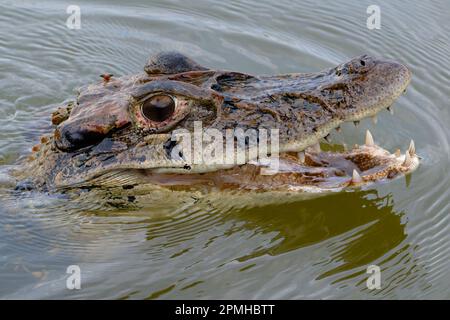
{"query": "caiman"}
pixel 117 134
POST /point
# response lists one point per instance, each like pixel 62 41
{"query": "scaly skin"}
pixel 103 139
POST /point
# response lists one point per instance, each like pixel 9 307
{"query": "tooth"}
pixel 356 178
pixel 338 129
pixel 369 139
pixel 356 123
pixel 375 119
pixel 398 153
pixel 407 161
pixel 391 110
pixel 412 148
pixel 301 156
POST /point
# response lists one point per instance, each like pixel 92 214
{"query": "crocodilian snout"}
pixel 377 89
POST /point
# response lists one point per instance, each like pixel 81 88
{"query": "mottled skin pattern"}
pixel 103 139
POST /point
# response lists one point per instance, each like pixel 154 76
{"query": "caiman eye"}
pixel 158 108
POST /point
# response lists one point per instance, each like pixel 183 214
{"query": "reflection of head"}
pixel 310 222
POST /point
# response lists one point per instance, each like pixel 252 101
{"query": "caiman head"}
pixel 120 131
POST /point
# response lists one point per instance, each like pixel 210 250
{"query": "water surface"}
pixel 318 248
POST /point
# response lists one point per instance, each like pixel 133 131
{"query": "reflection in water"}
pixel 372 226
pixel 358 229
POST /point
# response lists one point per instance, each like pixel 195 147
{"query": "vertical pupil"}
pixel 158 108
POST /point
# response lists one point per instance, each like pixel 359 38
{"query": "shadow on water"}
pixel 371 226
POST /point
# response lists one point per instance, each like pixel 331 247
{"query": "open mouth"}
pixel 311 170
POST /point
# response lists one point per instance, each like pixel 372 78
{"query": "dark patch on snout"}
pixel 69 139
pixel 168 146
pixel 80 133
pixel 109 146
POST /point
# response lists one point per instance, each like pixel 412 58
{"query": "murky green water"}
pixel 311 249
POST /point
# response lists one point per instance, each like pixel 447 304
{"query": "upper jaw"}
pixel 373 92
pixel 385 82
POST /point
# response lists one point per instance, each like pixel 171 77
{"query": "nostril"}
pixel 363 63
